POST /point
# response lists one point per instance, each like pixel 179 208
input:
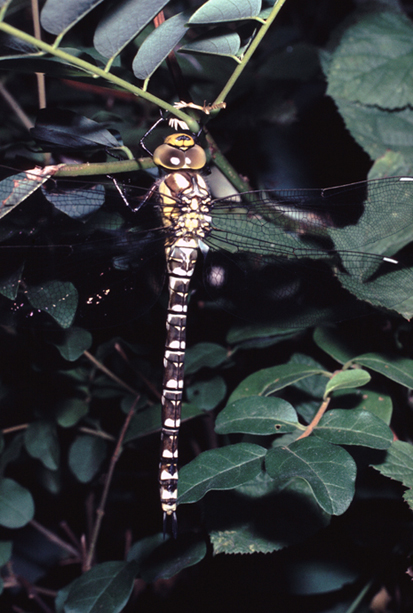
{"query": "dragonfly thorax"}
pixel 186 205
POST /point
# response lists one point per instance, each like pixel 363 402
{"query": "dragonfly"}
pixel 296 256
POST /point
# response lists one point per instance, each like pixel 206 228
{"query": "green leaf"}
pixel 122 23
pixel 378 130
pixel 70 411
pixel 391 164
pixel 86 456
pixel 40 439
pixel 218 11
pixel 219 469
pixel 56 298
pixel 393 367
pixel 257 415
pixel 257 518
pixel 16 504
pixel 6 548
pixel 330 341
pixel 372 64
pixel 171 556
pixel 158 45
pixel 398 465
pixel 76 342
pixel 347 379
pixel 262 334
pixel 56 17
pixel 269 380
pixel 16 188
pixel 354 427
pixel 204 355
pixel 328 469
pixel 103 589
pixel 207 394
pixel 225 44
pixel 379 404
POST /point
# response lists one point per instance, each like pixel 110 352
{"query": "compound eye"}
pixel 169 157
pixel 195 157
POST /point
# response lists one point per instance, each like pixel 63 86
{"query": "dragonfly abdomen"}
pixel 185 203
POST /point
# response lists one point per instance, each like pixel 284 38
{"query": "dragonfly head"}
pixel 179 152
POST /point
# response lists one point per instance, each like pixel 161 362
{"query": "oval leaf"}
pixel 41 443
pixel 56 298
pixel 207 395
pixel 76 342
pixel 122 23
pixel 217 11
pixel 328 469
pixel 219 469
pixel 347 379
pixel 269 380
pixel 15 189
pixel 257 415
pixel 395 368
pixel 58 16
pixel 104 589
pixel 226 44
pixel 204 355
pixel 158 45
pixel 354 427
pixel 86 455
pixel 16 504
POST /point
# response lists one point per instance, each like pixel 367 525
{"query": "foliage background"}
pixel 325 100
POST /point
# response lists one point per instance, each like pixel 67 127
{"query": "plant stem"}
pixel 94 71
pixel 251 49
pixel 109 373
pixel 316 419
pixel 101 509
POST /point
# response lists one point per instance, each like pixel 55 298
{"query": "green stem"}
pixel 98 72
pixel 251 49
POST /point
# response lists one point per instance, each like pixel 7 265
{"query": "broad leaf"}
pixel 398 465
pixel 16 504
pixel 372 64
pixel 17 188
pixel 76 342
pixel 225 44
pixel 40 439
pixel 354 427
pixel 104 589
pixel 219 469
pixel 257 415
pixel 207 395
pixel 328 469
pixel 218 11
pixel 123 22
pixel 347 379
pixel 158 45
pixel 86 456
pixel 58 16
pixel 269 380
pixel 56 298
pixel 393 367
pixel 204 355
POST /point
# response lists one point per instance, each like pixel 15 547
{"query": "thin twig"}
pixel 316 419
pixel 149 385
pixel 101 509
pixel 15 428
pixel 41 88
pixel 55 539
pixel 109 373
pixel 16 108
